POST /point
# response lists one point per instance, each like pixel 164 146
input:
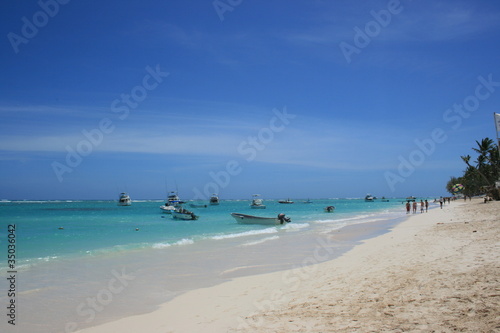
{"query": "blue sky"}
pixel 295 99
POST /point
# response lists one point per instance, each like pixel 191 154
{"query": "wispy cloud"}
pixel 417 22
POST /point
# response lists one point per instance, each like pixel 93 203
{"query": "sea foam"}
pixel 246 233
pixel 184 241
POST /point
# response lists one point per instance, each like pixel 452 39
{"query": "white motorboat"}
pixel 183 214
pixel 124 199
pixel 250 219
pixel 287 201
pixel 369 197
pixel 172 202
pixel 214 199
pixel 174 198
pixel 167 208
pixel 257 202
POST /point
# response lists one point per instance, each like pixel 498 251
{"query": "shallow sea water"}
pixel 80 263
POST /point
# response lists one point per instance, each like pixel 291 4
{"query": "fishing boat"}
pixel 124 199
pixel 287 201
pixel 329 209
pixel 369 197
pixel 257 202
pixel 250 219
pixel 214 200
pixel 173 197
pixel 183 214
pixel 171 204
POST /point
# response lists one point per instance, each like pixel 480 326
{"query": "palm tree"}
pixel 471 169
pixel 487 168
pixel 487 161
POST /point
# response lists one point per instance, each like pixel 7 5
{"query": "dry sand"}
pixel 435 272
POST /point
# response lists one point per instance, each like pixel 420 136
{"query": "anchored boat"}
pixel 183 214
pixel 257 202
pixel 251 219
pixel 124 200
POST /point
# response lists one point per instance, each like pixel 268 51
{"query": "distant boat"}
pixel 250 219
pixel 192 205
pixel 124 200
pixel 369 197
pixel 172 202
pixel 308 201
pixel 287 201
pixel 257 202
pixel 183 214
pixel 174 198
pixel 214 200
pixel 384 199
pixel 167 208
pixel 329 209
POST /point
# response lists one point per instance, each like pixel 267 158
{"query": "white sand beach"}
pixel 435 272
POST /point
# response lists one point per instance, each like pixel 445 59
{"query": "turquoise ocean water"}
pixel 69 253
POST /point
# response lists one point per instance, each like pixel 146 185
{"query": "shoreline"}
pixel 295 300
pixel 65 287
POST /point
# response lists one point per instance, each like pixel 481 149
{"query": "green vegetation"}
pixel 482 174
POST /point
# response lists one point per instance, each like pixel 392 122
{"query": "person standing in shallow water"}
pixel 421 206
pixel 414 207
pixel 407 207
pixel 441 203
pixel 426 205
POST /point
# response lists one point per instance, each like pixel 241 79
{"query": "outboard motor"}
pixel 282 218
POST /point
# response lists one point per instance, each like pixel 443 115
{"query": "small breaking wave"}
pixel 184 241
pixel 246 234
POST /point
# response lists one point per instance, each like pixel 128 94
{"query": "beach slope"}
pixel 436 271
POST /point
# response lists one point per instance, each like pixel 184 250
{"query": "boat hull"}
pixel 184 216
pixel 258 206
pixel 167 209
pixel 250 219
pixel 197 206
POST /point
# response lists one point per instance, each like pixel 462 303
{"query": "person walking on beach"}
pixel 414 207
pixel 407 207
pixel 441 203
pixel 421 206
pixel 426 205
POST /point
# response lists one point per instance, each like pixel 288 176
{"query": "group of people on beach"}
pixel 442 200
pixel 423 205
